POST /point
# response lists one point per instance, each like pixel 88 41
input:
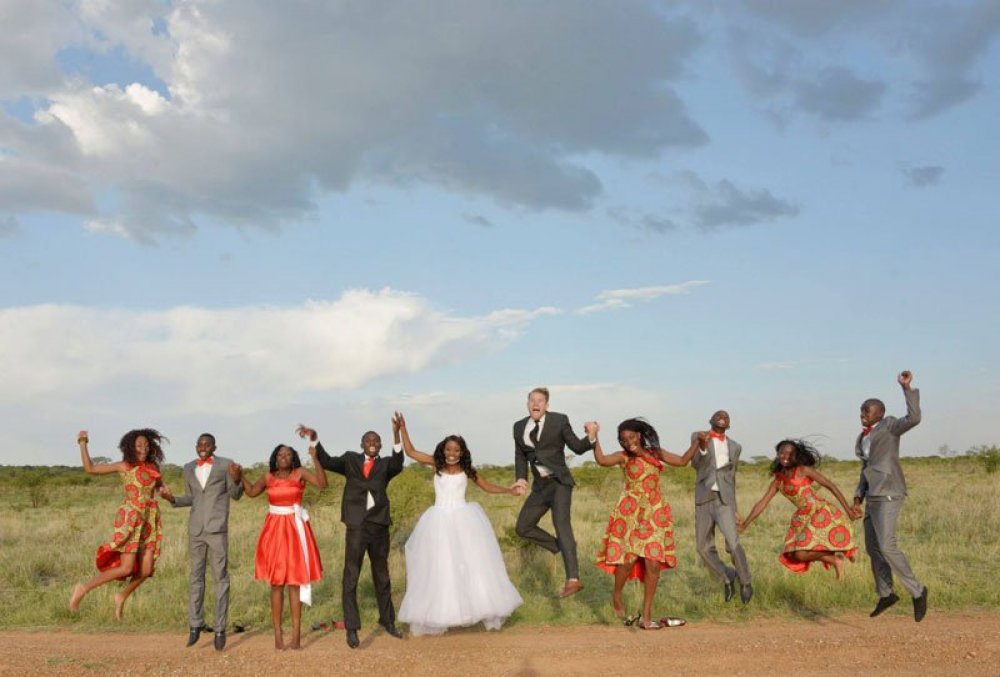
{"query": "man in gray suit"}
pixel 883 485
pixel 542 445
pixel 210 482
pixel 715 506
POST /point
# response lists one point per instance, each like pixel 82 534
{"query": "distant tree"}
pixel 33 481
pixel 760 460
pixel 989 456
pixel 100 460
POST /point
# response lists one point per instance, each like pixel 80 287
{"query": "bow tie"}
pixel 867 429
pixel 203 461
pixel 717 436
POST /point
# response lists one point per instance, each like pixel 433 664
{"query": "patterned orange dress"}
pixel 137 522
pixel 640 529
pixel 816 525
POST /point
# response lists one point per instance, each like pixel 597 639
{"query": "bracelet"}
pixel 83 439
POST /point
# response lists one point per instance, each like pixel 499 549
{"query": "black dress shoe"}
pixel 352 639
pixel 746 592
pixel 883 604
pixel 920 606
pixel 220 640
pixel 393 630
pixel 193 636
pixel 728 590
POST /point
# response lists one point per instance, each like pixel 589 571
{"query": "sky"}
pixel 236 216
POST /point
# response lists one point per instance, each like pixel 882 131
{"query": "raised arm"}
pixel 576 444
pixel 678 461
pixel 899 426
pixel 91 468
pixel 605 460
pixel 323 460
pixel 761 504
pixel 255 489
pixel 399 431
pixel 821 479
pixel 316 478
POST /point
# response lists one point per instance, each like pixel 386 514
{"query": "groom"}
pixel 883 487
pixel 540 440
pixel 210 482
pixel 364 510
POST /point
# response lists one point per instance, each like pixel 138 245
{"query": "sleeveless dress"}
pixel 455 573
pixel 816 525
pixel 137 521
pixel 640 529
pixel 284 555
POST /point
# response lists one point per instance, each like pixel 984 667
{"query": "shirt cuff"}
pixel 396 448
pixel 313 443
pixel 521 483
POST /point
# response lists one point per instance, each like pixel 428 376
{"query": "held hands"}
pixel 702 437
pixel 904 379
pixel 854 512
pixel 592 428
pixel 236 472
pixel 166 493
pixel 398 422
pixel 306 432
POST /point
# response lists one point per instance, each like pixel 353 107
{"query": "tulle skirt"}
pixel 455 574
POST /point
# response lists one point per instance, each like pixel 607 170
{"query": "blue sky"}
pixel 235 217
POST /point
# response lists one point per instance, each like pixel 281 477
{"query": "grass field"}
pixel 53 519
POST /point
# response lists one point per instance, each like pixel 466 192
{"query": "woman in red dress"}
pixel 286 550
pixel 135 546
pixel 639 540
pixel 818 531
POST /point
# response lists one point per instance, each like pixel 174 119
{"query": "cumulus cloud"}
pixel 266 108
pixel 724 205
pixel 838 94
pixel 614 299
pixel 237 360
pixel 922 176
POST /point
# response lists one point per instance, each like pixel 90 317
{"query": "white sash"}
pixel 301 517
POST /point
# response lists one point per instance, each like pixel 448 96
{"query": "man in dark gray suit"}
pixel 715 506
pixel 210 482
pixel 883 486
pixel 540 440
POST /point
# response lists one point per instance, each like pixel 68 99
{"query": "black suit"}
pixel 367 528
pixel 554 493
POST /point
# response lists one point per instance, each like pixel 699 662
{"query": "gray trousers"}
pixel 880 542
pixel 204 549
pixel 707 516
pixel 550 495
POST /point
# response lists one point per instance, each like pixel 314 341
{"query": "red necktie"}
pixel 867 429
pixel 203 461
pixel 717 436
pixel 369 464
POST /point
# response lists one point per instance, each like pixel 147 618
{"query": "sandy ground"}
pixel 943 644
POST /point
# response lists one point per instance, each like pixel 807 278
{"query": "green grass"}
pixel 949 529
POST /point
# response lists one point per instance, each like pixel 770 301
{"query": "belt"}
pixel 301 517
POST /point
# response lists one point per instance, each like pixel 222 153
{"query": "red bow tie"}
pixel 717 436
pixel 203 461
pixel 867 429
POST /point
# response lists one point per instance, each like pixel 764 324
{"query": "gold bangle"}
pixel 82 439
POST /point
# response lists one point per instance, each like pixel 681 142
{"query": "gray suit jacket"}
pixel 881 474
pixel 209 506
pixel 557 434
pixel 707 474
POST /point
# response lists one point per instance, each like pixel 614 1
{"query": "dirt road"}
pixel 944 644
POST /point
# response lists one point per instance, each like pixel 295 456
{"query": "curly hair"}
pixel 650 438
pixel 272 463
pixel 805 454
pixel 154 437
pixel 464 461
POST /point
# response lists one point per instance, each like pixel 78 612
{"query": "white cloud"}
pixel 236 360
pixel 623 298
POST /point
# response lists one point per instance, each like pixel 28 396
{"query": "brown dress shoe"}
pixel 571 588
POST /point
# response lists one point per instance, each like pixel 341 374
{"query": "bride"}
pixel 455 574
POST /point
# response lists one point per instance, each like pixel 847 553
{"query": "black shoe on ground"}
pixel 884 603
pixel 220 640
pixel 352 639
pixel 920 606
pixel 728 590
pixel 393 630
pixel 193 636
pixel 746 592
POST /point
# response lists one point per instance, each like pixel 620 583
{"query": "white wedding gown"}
pixel 455 574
